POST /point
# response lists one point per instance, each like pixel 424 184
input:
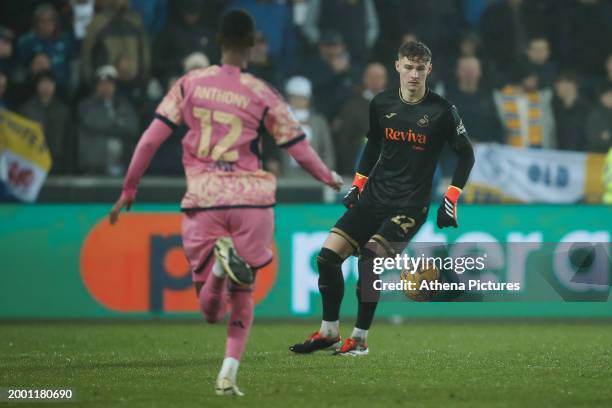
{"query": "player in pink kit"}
pixel 228 204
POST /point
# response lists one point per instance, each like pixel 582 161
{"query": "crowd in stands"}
pixel 527 73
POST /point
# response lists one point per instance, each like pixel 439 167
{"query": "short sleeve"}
pixel 170 108
pixel 279 120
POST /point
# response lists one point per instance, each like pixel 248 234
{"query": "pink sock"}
pixel 213 299
pixel 240 323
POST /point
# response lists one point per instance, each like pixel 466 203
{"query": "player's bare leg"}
pixel 336 249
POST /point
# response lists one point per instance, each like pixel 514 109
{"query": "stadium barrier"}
pixel 66 261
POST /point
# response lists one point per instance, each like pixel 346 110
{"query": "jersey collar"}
pixel 230 69
pixel 399 91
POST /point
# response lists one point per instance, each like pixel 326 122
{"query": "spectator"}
pixel 46 37
pixel 585 43
pixel 470 45
pixel 352 124
pixel 332 75
pixel 504 34
pixel 131 87
pixel 599 123
pixel 525 111
pixel 6 51
pixel 196 60
pixel 299 91
pixel 437 23
pixel 570 112
pixel 355 20
pixel 274 20
pixel 54 117
pixel 607 79
pixel 111 33
pixel 182 36
pixel 260 63
pixel 3 87
pixel 25 87
pixel 538 56
pixel 108 127
pixel 475 102
pixel 152 12
pixel 82 14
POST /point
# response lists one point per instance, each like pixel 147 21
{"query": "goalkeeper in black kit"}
pixel 389 200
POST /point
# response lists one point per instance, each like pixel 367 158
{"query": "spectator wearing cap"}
pixel 299 92
pixel 351 125
pixel 54 117
pixel 108 127
pixel 571 111
pixel 46 37
pixel 332 74
pixel 355 20
pixel 599 123
pixel 115 31
pixel 183 35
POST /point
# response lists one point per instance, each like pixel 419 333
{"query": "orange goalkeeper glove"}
pixel 351 198
pixel 447 213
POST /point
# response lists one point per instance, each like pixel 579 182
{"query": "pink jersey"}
pixel 224 108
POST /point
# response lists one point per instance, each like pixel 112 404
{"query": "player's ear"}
pixel 397 65
pixel 430 67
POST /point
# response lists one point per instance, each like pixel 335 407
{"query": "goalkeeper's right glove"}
pixel 351 198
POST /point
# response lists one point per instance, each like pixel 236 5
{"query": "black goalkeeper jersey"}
pixel 404 142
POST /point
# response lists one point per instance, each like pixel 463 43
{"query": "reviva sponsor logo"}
pixel 419 140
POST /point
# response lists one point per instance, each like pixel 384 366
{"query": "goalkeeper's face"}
pixel 413 73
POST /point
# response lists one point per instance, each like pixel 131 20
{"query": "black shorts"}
pixel 391 228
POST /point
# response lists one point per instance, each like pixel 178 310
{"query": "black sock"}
pixel 367 296
pixel 331 283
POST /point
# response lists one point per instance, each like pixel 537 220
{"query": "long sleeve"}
pixel 150 141
pixel 371 152
pixel 460 144
pixel 310 161
pixel 369 158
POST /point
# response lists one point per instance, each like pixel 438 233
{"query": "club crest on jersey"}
pixel 424 121
pixel 418 140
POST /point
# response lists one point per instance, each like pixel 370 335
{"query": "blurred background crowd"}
pixel 526 73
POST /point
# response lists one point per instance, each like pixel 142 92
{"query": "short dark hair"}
pixel 414 50
pixel 237 30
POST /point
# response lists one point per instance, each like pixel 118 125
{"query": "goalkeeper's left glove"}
pixel 351 198
pixel 447 213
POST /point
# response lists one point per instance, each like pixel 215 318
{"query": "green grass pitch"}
pixel 416 364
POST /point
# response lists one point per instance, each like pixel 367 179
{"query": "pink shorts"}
pixel 251 230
